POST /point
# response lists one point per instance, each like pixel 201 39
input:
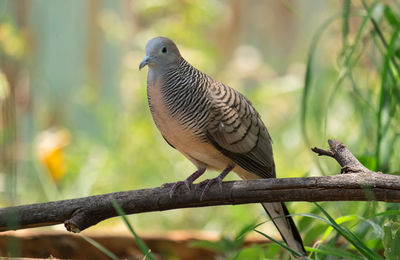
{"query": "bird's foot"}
pixel 175 185
pixel 218 180
pixel 208 184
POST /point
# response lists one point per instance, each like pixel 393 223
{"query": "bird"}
pixel 213 125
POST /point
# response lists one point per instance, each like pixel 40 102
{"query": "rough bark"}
pixel 79 214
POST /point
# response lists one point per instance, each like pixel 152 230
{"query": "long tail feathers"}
pixel 285 225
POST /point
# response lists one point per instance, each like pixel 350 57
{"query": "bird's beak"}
pixel 144 62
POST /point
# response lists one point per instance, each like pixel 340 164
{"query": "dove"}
pixel 212 125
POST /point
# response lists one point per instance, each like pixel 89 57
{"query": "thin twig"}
pixel 322 152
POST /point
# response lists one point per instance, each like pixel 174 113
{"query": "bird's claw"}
pixel 208 184
pixel 188 182
pixel 175 185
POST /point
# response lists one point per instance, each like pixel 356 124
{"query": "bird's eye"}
pixel 164 50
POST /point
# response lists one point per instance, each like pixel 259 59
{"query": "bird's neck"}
pixel 180 87
pixel 157 75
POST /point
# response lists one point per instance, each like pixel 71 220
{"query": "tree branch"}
pixel 343 156
pixel 79 214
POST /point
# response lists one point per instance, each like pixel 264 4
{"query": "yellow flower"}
pixel 50 146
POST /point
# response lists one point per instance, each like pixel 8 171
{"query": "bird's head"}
pixel 160 52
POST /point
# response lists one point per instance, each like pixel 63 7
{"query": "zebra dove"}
pixel 212 125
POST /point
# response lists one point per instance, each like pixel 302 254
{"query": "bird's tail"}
pixel 279 214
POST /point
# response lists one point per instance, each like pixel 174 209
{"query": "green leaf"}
pixel 390 16
pixel 349 236
pixel 247 229
pixel 397 52
pixel 339 220
pixel 330 251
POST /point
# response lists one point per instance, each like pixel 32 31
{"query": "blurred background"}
pixel 74 117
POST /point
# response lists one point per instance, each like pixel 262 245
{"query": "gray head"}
pixel 160 52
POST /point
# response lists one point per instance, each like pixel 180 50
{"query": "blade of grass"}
pixel 327 222
pixel 346 67
pixel 358 93
pixel 382 38
pixel 352 238
pixel 309 66
pixel 141 245
pixel 245 230
pixel 383 94
pixel 344 71
pixel 100 247
pixel 385 86
pixel 334 252
pixel 345 18
pixel 309 73
pixel 294 252
pixel 389 55
pixel 386 213
pixel 339 220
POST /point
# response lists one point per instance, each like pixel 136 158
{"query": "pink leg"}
pixel 189 180
pixel 218 180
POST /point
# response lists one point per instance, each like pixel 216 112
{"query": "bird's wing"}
pixel 237 131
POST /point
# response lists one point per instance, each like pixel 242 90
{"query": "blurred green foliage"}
pixel 391 240
pixel 74 116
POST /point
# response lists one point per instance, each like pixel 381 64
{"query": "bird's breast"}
pixel 168 125
pixel 183 138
